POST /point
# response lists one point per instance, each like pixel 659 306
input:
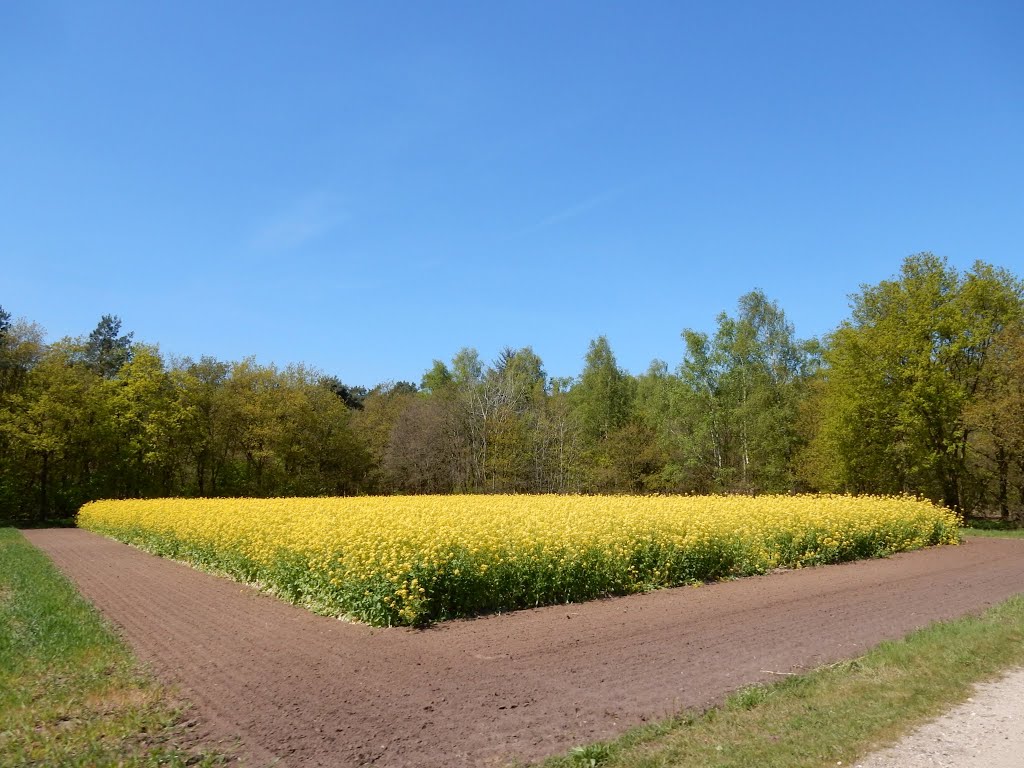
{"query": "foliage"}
pixel 994 421
pixel 919 391
pixel 104 351
pixel 904 378
pixel 412 560
pixel 738 402
pixel 72 431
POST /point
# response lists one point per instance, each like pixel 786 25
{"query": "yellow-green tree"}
pixel 903 373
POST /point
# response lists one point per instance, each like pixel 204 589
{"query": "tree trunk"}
pixel 44 482
pixel 951 494
pixel 1003 467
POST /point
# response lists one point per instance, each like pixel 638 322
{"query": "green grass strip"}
pixel 998 533
pixel 837 713
pixel 70 691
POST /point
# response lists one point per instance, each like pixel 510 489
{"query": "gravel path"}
pixel 312 691
pixel 986 731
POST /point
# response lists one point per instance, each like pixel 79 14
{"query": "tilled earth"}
pixel 303 690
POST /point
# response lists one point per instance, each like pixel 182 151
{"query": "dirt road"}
pixel 984 732
pixel 313 691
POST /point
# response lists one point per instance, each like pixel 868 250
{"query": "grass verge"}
pixel 835 714
pixel 70 692
pixel 1000 533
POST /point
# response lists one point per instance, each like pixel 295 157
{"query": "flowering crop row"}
pixel 413 560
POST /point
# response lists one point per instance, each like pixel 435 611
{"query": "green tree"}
pixel 201 400
pixel 376 422
pixel 903 372
pixel 352 397
pixel 669 409
pixel 21 345
pixel 317 450
pixel 558 452
pixel 995 424
pixel 618 452
pixel 513 394
pixel 437 379
pixel 739 405
pixel 56 429
pixel 146 425
pixel 106 349
pixel 603 396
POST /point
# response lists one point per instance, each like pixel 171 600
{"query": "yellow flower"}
pixel 350 548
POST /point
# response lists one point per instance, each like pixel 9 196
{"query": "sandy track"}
pixel 313 691
pixel 984 732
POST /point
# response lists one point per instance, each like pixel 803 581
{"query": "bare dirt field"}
pixel 312 691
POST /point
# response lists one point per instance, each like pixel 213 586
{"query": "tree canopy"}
pixel 918 391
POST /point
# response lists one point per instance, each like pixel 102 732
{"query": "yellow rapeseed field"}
pixel 416 559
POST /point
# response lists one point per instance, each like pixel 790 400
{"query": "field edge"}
pixel 73 694
pixel 833 715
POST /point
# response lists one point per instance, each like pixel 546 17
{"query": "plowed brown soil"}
pixel 314 691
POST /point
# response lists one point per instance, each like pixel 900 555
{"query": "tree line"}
pixel 920 390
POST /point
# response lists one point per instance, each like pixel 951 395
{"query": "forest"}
pixel 920 390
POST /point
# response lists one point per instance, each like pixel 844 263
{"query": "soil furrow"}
pixel 314 691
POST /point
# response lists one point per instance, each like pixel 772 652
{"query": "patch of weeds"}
pixel 591 755
pixel 750 697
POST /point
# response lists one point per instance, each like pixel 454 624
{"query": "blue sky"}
pixel 364 187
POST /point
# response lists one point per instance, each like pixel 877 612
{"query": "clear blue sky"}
pixel 367 186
